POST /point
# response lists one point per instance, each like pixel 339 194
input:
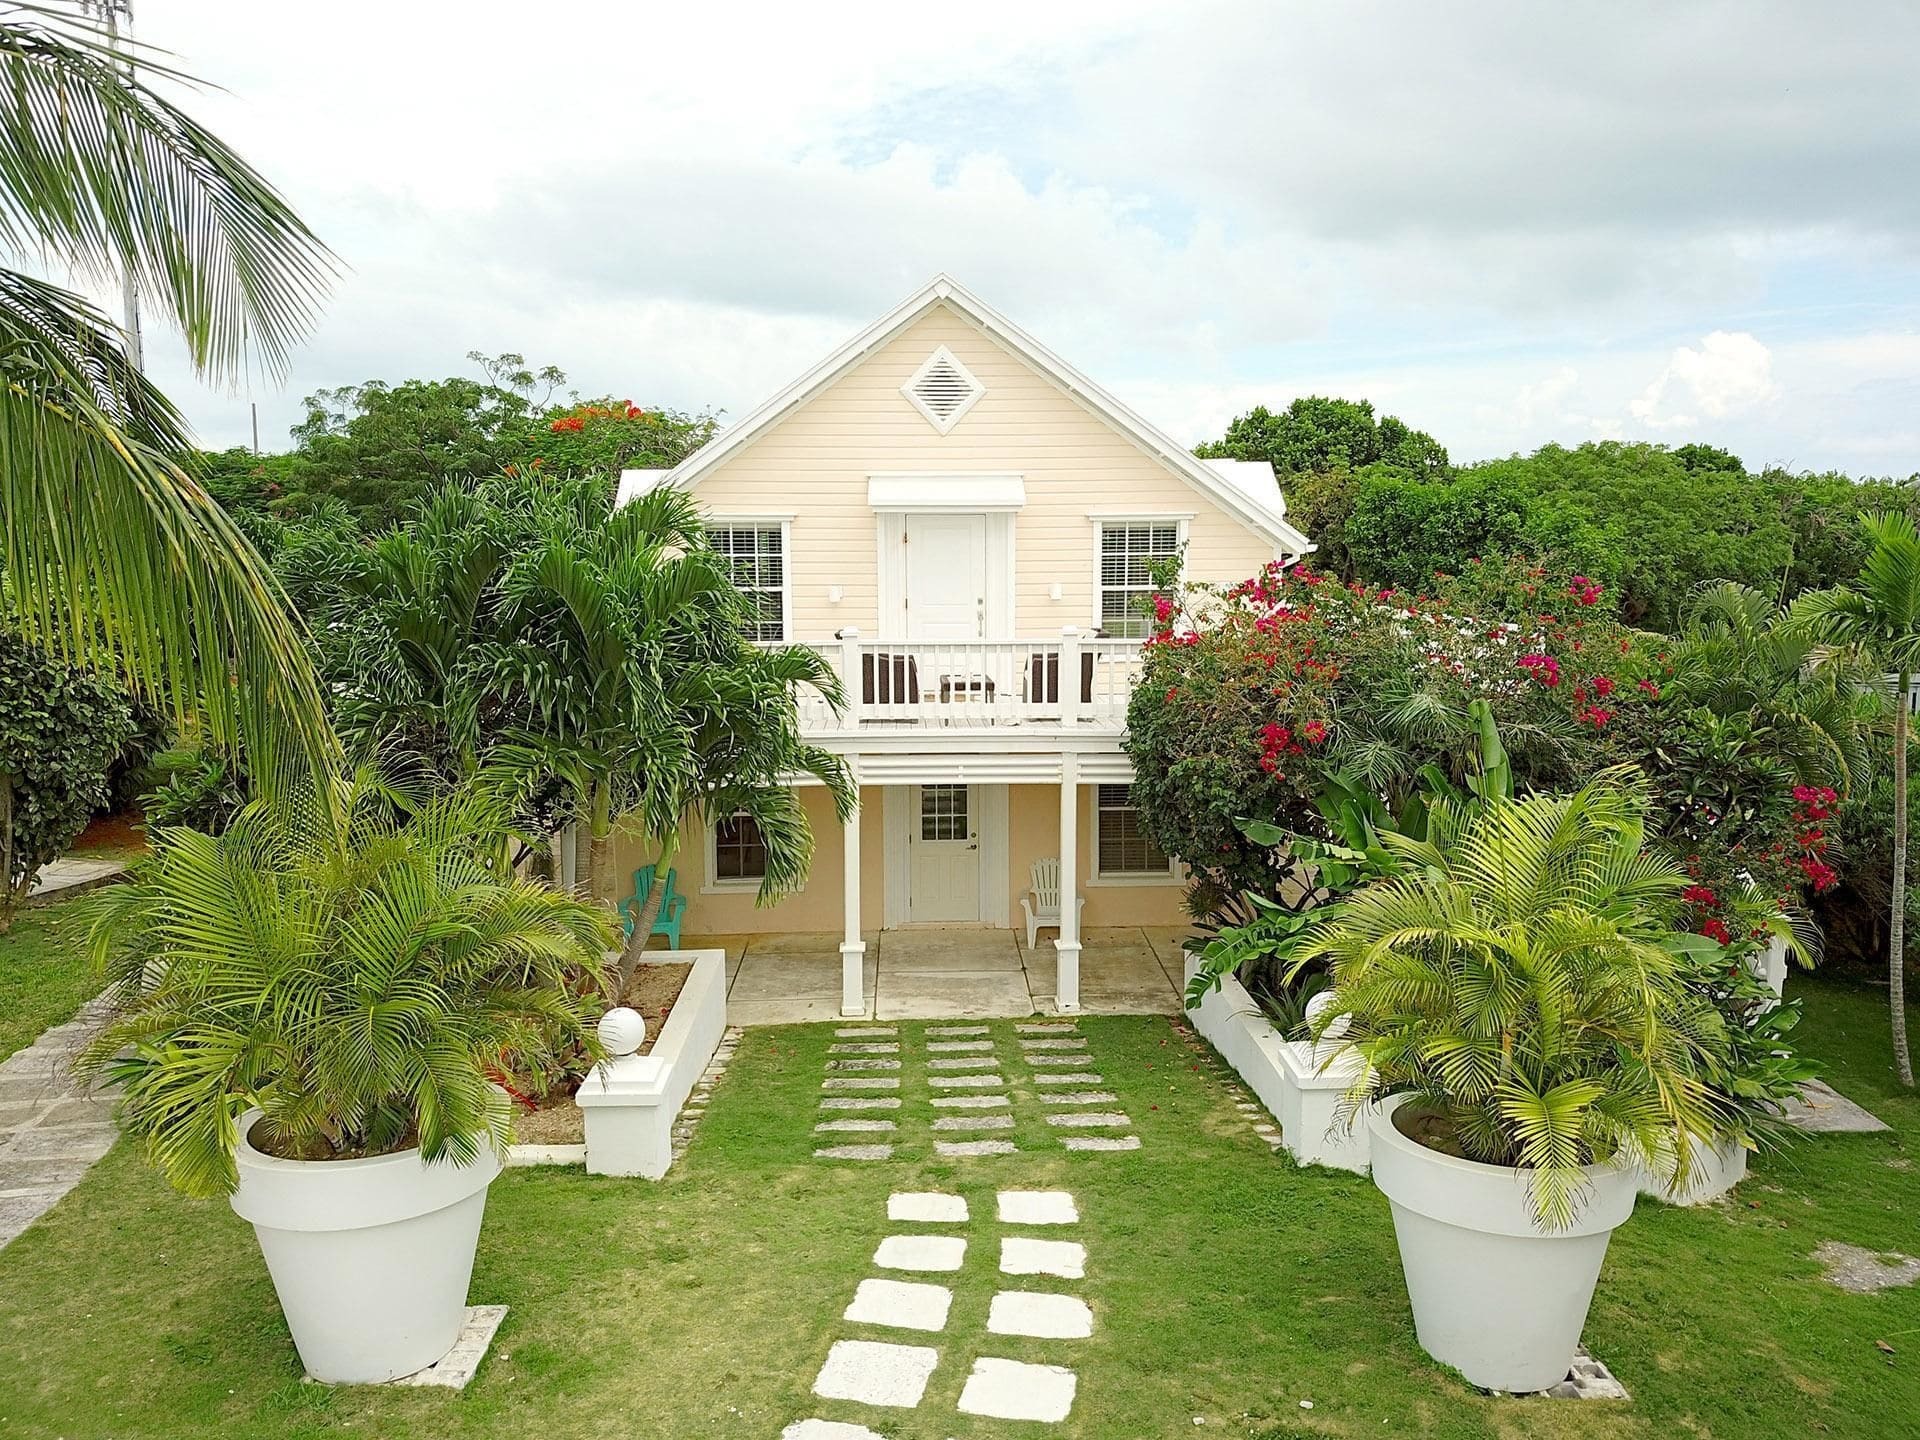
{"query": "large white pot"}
pixel 1494 1295
pixel 371 1258
pixel 1716 1170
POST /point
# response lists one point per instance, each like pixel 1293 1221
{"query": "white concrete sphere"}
pixel 623 1030
pixel 1318 1005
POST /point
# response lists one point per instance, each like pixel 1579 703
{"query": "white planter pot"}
pixel 1494 1295
pixel 370 1258
pixel 1716 1170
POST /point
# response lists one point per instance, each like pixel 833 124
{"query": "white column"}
pixel 853 950
pixel 1069 674
pixel 1066 985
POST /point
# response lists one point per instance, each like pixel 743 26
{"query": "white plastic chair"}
pixel 1042 901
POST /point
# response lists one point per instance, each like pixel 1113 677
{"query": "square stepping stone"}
pixel 1022 1256
pixel 854 1152
pixel 958 1029
pixel 868 1064
pixel 1080 1097
pixel 974 1147
pixel 873 1372
pixel 1014 1390
pixel 455 1369
pixel 928 1206
pixel 1054 1027
pixel 1821 1108
pixel 974 1122
pixel 1045 1317
pixel 971 1102
pixel 1056 1061
pixel 981 1062
pixel 861 1082
pixel 921 1252
pixel 828 1430
pixel 1102 1142
pixel 1037 1207
pixel 860 1102
pixel 866 1047
pixel 1084 1118
pixel 902 1305
pixel 854 1125
pixel 864 1032
pixel 970 1082
pixel 945 1046
pixel 1079 1044
pixel 1075 1077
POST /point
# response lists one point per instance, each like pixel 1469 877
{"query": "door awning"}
pixel 967 493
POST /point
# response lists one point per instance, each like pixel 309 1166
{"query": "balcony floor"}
pixel 938 973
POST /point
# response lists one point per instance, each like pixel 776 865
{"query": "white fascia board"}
pixel 970 493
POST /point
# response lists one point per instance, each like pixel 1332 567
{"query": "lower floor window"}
pixel 1124 848
pixel 739 851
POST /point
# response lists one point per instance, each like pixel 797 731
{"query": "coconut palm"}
pixel 357 978
pixel 1521 978
pixel 114 555
pixel 1879 616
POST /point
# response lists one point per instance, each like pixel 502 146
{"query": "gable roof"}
pixel 1244 488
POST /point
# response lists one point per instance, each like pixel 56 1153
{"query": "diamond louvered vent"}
pixel 943 390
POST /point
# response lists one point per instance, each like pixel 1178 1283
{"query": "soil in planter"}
pixel 558 1121
pixel 1430 1130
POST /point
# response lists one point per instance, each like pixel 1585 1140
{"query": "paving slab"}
pixel 973 1122
pixel 959 1029
pixel 854 1152
pixel 874 1125
pixel 971 1102
pixel 1020 1255
pixel 967 1082
pixel 900 1305
pixel 1824 1110
pixel 860 1102
pixel 1079 1097
pixel 1031 1045
pixel 828 1430
pixel 1015 1390
pixel 931 1207
pixel 861 1032
pixel 455 1369
pixel 947 1062
pixel 944 952
pixel 961 1148
pixel 865 1047
pixel 1082 1119
pixel 1037 1207
pixel 943 1046
pixel 861 1082
pixel 1043 1316
pixel 961 995
pixel 1102 1142
pixel 1865 1271
pixel 872 1372
pixel 1045 1062
pixel 20 1209
pixel 1072 1077
pixel 865 1063
pixel 1048 1027
pixel 921 1252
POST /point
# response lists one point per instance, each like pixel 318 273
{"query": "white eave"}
pixel 1232 491
pixel 946 492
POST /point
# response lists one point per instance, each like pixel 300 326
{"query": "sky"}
pixel 1507 223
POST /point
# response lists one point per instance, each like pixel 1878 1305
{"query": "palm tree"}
pixel 115 556
pixel 360 980
pixel 1520 976
pixel 1879 615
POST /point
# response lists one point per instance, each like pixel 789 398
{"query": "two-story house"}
pixel 967 525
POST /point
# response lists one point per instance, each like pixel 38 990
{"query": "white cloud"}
pixel 1729 373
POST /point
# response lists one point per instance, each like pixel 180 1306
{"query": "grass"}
pixel 43 974
pixel 1228 1286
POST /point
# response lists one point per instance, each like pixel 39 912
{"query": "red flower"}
pixel 1543 668
pixel 1716 930
pixel 1603 686
pixel 1700 895
pixel 1314 732
pixel 1653 690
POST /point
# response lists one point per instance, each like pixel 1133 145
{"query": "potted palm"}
pixel 309 1010
pixel 1530 1041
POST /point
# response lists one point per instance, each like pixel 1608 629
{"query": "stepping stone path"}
pixel 1059 1056
pixel 52 1127
pixel 859 1048
pixel 878 1367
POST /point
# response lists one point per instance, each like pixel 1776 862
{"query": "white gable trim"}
pixel 942 288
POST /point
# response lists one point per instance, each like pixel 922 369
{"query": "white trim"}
pixel 890 532
pixel 898 869
pixel 1000 579
pixel 995 903
pixel 943 289
pixel 975 390
pixel 1140 516
pixel 957 493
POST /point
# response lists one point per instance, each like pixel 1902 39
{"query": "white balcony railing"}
pixel 1072 680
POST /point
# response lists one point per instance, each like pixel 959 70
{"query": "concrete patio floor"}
pixel 942 974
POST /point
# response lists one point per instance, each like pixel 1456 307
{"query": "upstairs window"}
pixel 739 852
pixel 757 556
pixel 1130 552
pixel 1123 848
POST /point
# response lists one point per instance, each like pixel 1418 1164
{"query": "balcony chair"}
pixel 1043 677
pixel 673 907
pixel 889 680
pixel 1042 901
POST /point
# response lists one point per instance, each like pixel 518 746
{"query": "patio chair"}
pixel 889 680
pixel 1043 677
pixel 673 907
pixel 1042 901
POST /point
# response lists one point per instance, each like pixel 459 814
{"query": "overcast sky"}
pixel 1506 223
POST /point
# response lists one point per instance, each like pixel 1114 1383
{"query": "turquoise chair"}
pixel 673 907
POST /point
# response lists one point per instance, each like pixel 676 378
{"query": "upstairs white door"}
pixel 943 848
pixel 946 589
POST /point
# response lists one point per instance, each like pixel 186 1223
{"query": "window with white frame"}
pixel 756 554
pixel 739 851
pixel 1130 552
pixel 1122 847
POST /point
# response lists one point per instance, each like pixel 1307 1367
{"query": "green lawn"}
pixel 43 974
pixel 1228 1286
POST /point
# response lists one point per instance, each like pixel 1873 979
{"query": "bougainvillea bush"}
pixel 1261 701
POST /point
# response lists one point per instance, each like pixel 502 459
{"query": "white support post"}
pixel 1069 674
pixel 1066 983
pixel 853 950
pixel 850 674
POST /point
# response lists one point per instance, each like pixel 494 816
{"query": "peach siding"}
pixel 1033 833
pixel 814 467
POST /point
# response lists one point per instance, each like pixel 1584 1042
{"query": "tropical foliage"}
pixel 359 979
pixel 1521 978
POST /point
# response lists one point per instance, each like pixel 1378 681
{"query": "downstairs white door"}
pixel 943 855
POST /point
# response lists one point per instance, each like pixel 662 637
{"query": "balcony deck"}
pixel 924 686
